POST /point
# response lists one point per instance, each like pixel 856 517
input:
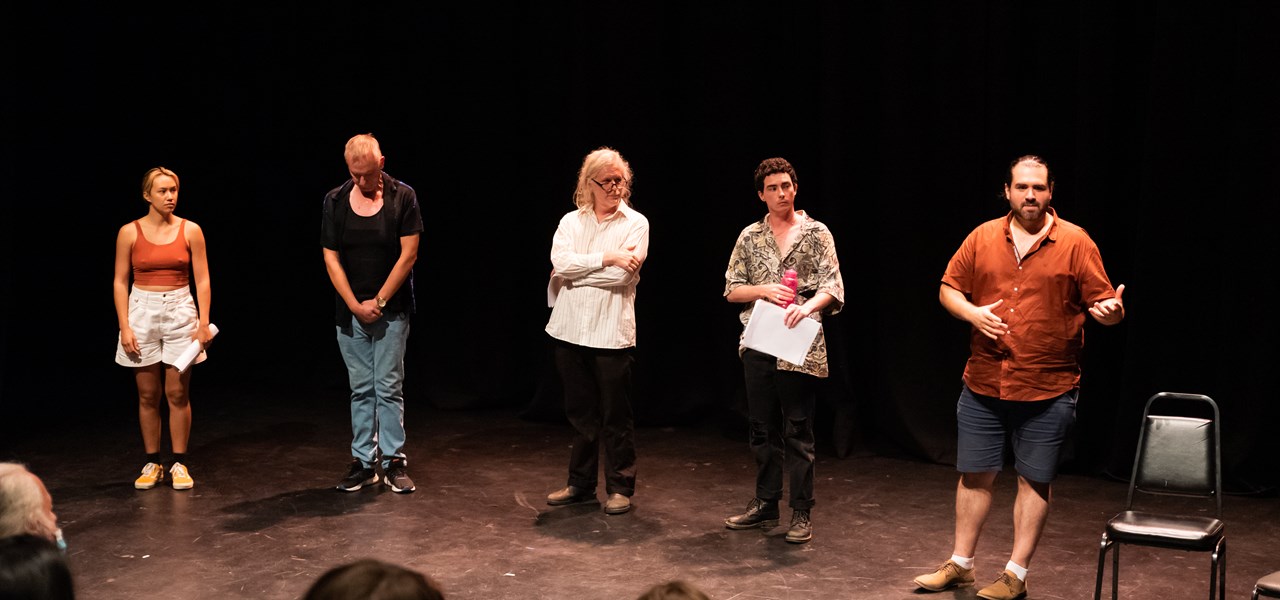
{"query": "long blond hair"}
pixel 595 162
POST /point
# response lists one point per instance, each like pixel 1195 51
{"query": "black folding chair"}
pixel 1268 586
pixel 1177 456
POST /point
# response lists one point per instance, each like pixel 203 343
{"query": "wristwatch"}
pixel 382 302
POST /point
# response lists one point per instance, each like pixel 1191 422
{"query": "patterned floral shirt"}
pixel 756 260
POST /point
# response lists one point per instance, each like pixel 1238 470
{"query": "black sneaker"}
pixel 396 478
pixel 801 529
pixel 357 477
pixel 759 514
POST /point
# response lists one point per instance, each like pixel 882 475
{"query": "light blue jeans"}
pixel 374 354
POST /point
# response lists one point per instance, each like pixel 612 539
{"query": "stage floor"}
pixel 264 521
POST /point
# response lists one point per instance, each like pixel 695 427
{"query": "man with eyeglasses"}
pixel 780 394
pixel 597 253
pixel 1023 282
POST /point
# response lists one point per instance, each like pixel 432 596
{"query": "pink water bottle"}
pixel 790 280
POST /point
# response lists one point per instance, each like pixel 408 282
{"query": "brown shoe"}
pixel 948 575
pixel 1006 587
pixel 617 504
pixel 570 495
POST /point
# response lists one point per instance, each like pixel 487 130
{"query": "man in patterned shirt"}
pixel 780 395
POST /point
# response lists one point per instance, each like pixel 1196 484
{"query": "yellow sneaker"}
pixel 181 479
pixel 152 474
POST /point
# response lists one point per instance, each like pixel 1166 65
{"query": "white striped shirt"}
pixel 596 305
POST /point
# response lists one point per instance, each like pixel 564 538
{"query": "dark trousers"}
pixel 597 401
pixel 780 406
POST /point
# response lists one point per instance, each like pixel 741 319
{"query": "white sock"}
pixel 964 562
pixel 1017 569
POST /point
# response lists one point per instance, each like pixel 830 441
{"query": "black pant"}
pixel 597 401
pixel 781 406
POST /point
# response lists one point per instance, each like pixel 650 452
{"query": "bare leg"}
pixel 1030 512
pixel 148 380
pixel 177 388
pixel 973 503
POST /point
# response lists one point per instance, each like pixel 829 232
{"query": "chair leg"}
pixel 1102 566
pixel 1218 570
pixel 1213 575
pixel 1222 577
pixel 1115 572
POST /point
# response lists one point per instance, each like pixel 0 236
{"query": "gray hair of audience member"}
pixel 674 590
pixel 25 505
pixel 592 164
pixel 370 579
pixel 33 568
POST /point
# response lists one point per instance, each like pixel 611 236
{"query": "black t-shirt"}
pixel 369 247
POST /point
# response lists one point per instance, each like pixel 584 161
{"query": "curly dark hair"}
pixel 769 166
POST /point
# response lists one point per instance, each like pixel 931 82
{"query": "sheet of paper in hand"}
pixel 767 332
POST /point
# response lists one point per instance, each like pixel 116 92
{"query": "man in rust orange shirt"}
pixel 1024 282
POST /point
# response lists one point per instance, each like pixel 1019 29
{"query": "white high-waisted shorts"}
pixel 164 323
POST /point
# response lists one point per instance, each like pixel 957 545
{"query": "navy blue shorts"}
pixel 1036 429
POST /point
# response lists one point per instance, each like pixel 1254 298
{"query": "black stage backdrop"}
pixel 1159 121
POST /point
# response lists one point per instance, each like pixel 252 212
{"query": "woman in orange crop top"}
pixel 159 319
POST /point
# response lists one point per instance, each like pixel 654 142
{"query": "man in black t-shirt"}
pixel 370 231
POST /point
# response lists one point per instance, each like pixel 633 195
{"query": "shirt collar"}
pixel 805 223
pixel 624 211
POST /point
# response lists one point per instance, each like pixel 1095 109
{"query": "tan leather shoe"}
pixel 617 504
pixel 570 495
pixel 1006 587
pixel 949 575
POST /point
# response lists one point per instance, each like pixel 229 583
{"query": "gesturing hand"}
pixel 1111 310
pixel 984 319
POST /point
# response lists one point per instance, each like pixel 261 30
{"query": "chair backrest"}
pixel 1178 455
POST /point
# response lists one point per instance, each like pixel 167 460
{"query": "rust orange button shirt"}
pixel 1046 296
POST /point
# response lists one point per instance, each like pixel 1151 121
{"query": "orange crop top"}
pixel 161 265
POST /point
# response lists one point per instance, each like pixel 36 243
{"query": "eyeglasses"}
pixel 609 185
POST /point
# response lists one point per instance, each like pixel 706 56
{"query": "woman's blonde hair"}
pixel 151 176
